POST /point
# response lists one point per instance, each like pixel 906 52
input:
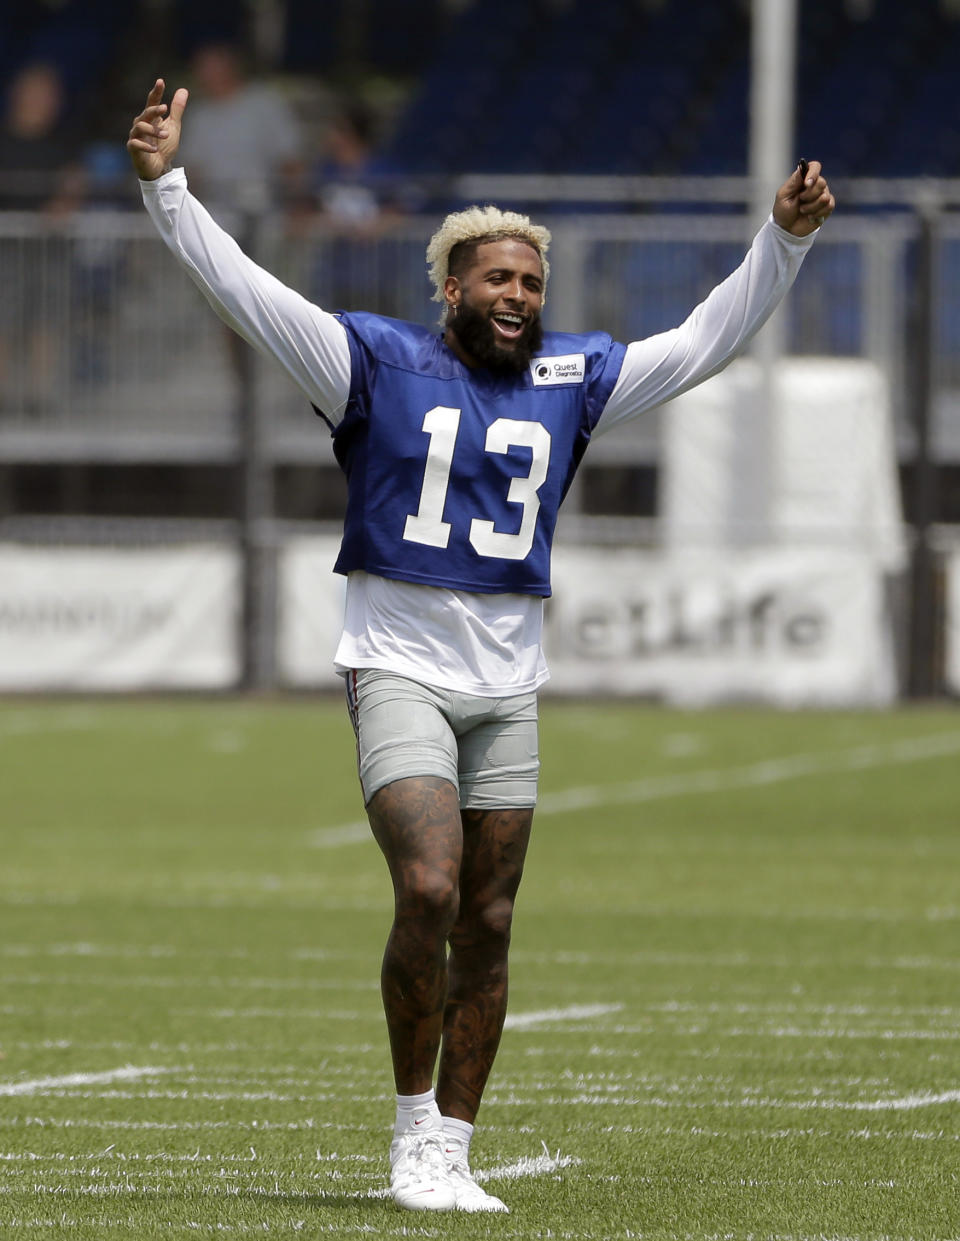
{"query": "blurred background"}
pixel 169 505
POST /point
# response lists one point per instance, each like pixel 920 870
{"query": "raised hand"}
pixel 804 200
pixel 155 135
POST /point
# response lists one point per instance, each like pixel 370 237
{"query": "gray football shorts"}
pixel 486 747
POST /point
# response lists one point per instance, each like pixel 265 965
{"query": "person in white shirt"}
pixel 244 141
pixel 458 448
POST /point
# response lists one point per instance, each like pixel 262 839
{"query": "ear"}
pixel 451 291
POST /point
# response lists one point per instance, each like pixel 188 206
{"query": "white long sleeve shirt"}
pixel 481 644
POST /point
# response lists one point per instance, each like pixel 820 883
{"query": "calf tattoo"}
pixel 494 849
pixel 416 822
pixel 455 879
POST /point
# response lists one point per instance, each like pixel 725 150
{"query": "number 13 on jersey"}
pixel 427 525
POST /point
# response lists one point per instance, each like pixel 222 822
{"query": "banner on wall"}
pixel 952 642
pixel 813 460
pixel 310 612
pixel 92 618
pixel 781 626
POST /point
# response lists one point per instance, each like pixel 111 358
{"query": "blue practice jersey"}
pixel 455 475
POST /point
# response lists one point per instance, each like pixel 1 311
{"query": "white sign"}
pixel 778 626
pixel 785 627
pixel 311 600
pixel 818 465
pixel 89 618
pixel 952 652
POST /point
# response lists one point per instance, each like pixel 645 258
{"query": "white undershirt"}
pixel 475 643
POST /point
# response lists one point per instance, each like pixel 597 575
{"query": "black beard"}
pixel 475 332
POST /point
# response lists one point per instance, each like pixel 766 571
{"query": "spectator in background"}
pixel 359 197
pixel 33 171
pixel 244 151
pixel 244 145
pixel 346 177
pixel 34 177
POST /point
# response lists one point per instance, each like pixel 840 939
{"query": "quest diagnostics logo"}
pixel 569 368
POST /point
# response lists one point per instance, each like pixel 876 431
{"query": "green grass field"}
pixel 734 1008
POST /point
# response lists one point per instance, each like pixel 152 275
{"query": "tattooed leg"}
pixel 416 822
pixel 494 849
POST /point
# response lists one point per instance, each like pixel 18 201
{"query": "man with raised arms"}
pixel 458 449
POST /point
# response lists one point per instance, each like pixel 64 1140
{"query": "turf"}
pixel 734 1006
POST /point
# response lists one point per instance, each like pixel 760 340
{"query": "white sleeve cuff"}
pixel 801 244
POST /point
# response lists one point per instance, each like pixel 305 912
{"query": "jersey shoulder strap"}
pixel 376 339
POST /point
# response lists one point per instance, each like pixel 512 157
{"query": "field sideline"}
pixel 734 994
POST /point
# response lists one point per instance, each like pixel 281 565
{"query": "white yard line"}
pixel 84 949
pixel 179 982
pixel 73 1011
pixel 776 1007
pixel 155 952
pixel 40 1085
pixel 126 1046
pixel 308 1125
pixel 754 775
pixel 907 1103
pixel 402 1228
pixel 574 1012
pixel 219 1096
pixel 660 788
pixel 26 723
pixel 825 1032
pixel 354 833
pixel 271 1014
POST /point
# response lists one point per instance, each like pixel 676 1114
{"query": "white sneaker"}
pixel 418 1172
pixel 469 1195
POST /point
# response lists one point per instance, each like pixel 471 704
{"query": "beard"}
pixel 476 333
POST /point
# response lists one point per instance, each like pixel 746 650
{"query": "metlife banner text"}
pixel 781 626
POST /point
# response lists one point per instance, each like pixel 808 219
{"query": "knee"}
pixel 430 896
pixel 487 925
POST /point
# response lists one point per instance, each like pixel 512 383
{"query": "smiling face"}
pixel 495 295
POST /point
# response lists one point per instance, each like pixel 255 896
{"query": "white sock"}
pixel 417 1111
pixel 460 1131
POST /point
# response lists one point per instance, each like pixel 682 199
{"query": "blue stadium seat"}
pixel 613 86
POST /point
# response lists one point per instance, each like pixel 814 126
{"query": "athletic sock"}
pixel 460 1130
pixel 408 1104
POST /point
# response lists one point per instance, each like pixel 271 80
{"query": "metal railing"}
pixel 108 354
pixel 107 351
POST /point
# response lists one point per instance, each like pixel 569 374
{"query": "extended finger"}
pixel 178 103
pixel 156 91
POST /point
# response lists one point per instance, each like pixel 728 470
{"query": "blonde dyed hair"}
pixel 481 224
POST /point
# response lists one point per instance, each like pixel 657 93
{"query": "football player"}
pixel 458 447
